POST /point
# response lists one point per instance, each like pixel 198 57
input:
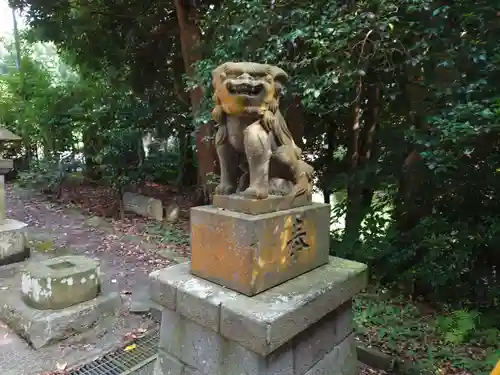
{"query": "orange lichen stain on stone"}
pixel 215 253
pixel 233 105
pixel 268 256
pixel 285 238
pixel 269 97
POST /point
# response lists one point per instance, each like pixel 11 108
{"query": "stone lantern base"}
pixel 12 241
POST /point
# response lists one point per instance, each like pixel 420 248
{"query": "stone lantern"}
pixel 12 232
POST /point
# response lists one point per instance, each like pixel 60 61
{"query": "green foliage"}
pixel 160 166
pixel 168 233
pixel 42 174
pixel 416 333
pixel 457 326
pixel 435 68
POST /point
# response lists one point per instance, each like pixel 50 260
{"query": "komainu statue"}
pixel 256 151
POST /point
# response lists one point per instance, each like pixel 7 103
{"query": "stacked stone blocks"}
pixel 301 327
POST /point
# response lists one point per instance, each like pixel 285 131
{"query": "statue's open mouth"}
pixel 250 89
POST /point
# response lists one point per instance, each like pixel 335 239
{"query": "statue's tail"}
pixel 303 185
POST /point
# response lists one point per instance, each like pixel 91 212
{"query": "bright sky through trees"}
pixel 6 23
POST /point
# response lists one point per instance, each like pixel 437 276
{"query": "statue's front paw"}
pixel 256 192
pixel 223 189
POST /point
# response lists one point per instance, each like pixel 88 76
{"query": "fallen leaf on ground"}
pixel 130 347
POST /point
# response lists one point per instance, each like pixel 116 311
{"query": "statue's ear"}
pixel 279 75
pixel 219 70
pixel 280 78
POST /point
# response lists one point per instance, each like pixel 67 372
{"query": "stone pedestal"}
pixel 12 241
pixel 250 253
pixel 56 298
pixel 261 296
pixel 60 282
pixel 301 327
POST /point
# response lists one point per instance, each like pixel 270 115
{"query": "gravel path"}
pixel 125 267
pixel 124 262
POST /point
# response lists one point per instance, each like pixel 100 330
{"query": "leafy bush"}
pixel 41 174
pixel 160 166
pixel 457 326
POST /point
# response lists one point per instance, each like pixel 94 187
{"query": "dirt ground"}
pixel 128 261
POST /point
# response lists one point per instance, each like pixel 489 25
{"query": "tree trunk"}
pixel 187 173
pixel 412 202
pixel 361 150
pixel 295 119
pixel 90 150
pixel 329 165
pixel 190 37
pixel 354 187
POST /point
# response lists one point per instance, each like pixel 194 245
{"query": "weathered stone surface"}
pixel 314 343
pixel 163 293
pixel 144 206
pixel 7 135
pixel 12 241
pixel 252 253
pixel 60 282
pixel 191 371
pixel 340 361
pixel 267 321
pixel 168 365
pixel 147 369
pixel 201 349
pixel 326 347
pixel 292 307
pixel 273 203
pixel 44 327
pixel 172 212
pixel 5 167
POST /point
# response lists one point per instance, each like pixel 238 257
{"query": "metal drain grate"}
pixel 123 362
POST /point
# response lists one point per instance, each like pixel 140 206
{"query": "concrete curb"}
pixel 390 364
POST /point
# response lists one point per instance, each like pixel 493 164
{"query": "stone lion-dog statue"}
pixel 257 154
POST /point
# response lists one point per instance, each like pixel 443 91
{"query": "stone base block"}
pixel 252 253
pixel 274 203
pixel 142 205
pixel 301 327
pixel 44 327
pixel 13 242
pixel 60 282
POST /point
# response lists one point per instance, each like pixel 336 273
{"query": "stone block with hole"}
pixel 60 282
pixel 51 300
pixel 250 253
